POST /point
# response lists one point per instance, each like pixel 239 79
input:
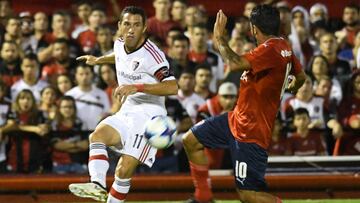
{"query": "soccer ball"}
pixel 160 131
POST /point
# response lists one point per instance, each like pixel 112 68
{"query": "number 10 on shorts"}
pixel 240 169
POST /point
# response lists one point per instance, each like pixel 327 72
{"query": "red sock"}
pixel 200 176
pixel 278 200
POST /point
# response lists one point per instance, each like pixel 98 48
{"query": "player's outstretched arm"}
pixel 93 60
pixel 236 62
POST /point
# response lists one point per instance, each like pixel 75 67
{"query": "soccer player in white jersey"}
pixel 144 78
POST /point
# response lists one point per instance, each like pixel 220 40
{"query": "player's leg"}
pixel 121 185
pixel 107 133
pixel 250 162
pixel 209 133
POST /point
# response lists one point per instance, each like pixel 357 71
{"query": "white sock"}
pixel 119 190
pixel 98 163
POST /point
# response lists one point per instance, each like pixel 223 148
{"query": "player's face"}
pixel 63 84
pixel 301 121
pixel 132 29
pixel 66 108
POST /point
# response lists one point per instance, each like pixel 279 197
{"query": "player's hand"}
pixel 89 59
pixel 219 27
pixel 123 91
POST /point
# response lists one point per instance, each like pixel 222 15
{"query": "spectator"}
pixel 92 103
pixel 10 70
pixel 63 83
pixel 87 39
pixel 30 78
pixel 321 117
pixel 13 30
pixel 178 55
pixel 107 82
pixel 338 68
pixel 29 150
pixel 83 10
pixel 305 142
pixel 192 17
pixel 173 32
pixel 69 143
pixel 278 142
pixel 285 18
pixel 61 62
pixel 5 108
pixel 104 43
pixel 300 33
pixel 248 8
pixel 178 8
pixel 161 23
pixel 5 12
pixel 186 95
pixel 40 39
pixel 349 54
pixel 349 111
pixel 351 18
pixel 48 102
pixel 200 53
pixel 27 30
pixel 203 77
pixel 319 68
pixel 241 30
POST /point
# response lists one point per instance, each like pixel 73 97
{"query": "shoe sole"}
pixel 92 191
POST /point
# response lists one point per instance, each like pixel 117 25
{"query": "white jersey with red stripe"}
pixel 146 65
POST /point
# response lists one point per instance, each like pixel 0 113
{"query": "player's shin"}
pixel 98 163
pixel 202 182
pixel 119 190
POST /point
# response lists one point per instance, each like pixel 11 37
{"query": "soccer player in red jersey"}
pixel 246 131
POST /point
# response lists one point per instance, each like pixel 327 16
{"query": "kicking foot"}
pixel 89 190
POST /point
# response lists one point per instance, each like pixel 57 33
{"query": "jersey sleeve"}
pixel 296 65
pixel 261 58
pixel 158 66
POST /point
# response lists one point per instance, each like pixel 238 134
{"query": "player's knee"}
pixel 95 137
pixel 189 140
pixel 245 195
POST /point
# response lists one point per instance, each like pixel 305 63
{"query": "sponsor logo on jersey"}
pixel 130 76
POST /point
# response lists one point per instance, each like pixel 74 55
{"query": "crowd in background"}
pixel 49 102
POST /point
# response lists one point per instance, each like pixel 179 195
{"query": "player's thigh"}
pixel 126 166
pixel 110 131
pixel 213 132
pixel 135 143
pixel 249 165
pixel 190 141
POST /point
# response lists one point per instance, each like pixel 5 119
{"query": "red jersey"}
pixel 260 93
pixel 311 145
pixel 87 40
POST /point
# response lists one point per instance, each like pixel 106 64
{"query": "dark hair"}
pixel 98 7
pixel 203 66
pixel 62 13
pixel 31 57
pixel 103 27
pixel 200 26
pixel 353 6
pixel 83 65
pixel 241 18
pixel 187 71
pixel 135 11
pixel 301 111
pixel 176 29
pixel 84 2
pixel 180 37
pixel 59 118
pixel 266 18
pixel 311 63
pixel 62 41
pixel 101 83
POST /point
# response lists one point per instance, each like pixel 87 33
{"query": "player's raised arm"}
pixel 93 60
pixel 236 62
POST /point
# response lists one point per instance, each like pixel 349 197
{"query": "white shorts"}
pixel 131 127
